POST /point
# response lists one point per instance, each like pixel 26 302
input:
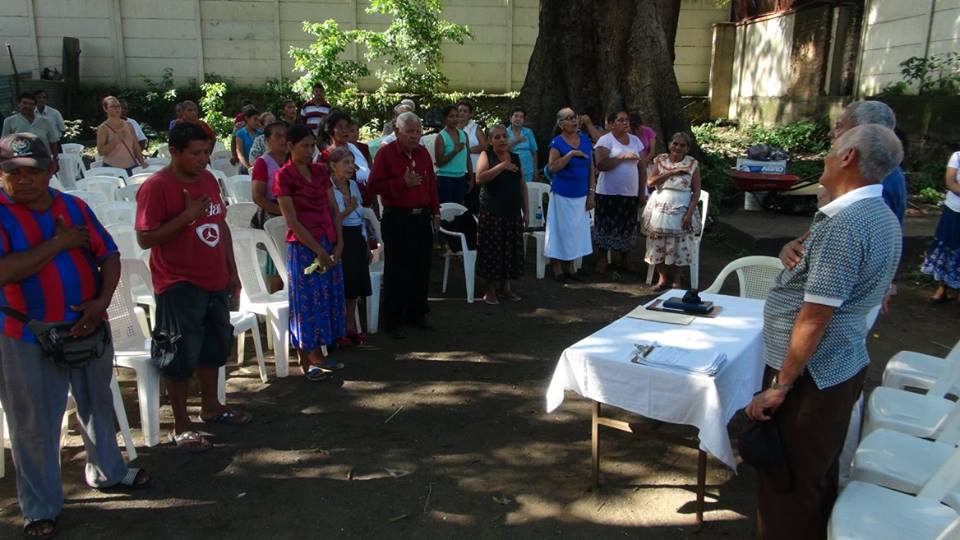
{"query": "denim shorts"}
pixel 202 320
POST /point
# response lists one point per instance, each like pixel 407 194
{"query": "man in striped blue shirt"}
pixel 815 326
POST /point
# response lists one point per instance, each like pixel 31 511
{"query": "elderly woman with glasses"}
pixel 571 197
pixel 671 219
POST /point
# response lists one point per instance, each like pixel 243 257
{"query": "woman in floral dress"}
pixel 671 219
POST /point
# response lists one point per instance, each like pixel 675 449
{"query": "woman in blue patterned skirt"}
pixel 943 258
pixel 317 313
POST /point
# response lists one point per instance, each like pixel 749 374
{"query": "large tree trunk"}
pixel 597 56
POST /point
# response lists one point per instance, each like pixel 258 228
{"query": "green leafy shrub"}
pixel 931 195
pixel 937 75
pixel 805 138
pixel 211 103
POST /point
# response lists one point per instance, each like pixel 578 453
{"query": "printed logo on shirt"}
pixel 209 234
pixel 214 210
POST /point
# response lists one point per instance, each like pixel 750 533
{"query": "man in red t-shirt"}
pixel 182 220
pixel 403 176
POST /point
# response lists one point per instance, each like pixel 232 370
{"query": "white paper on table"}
pixel 705 362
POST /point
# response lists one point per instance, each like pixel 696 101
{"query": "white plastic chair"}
pixel 221 154
pixel 224 166
pixel 72 148
pixel 71 168
pixel 117 213
pixel 756 274
pixel 255 297
pixel 102 184
pixel 139 178
pixel 242 323
pixel 695 266
pixel 917 370
pixel 898 461
pixel 106 171
pixel 376 273
pixel 162 153
pixel 914 414
pixel 92 198
pixel 128 193
pixel 239 215
pixel 219 146
pixel 870 512
pixel 132 350
pixel 537 219
pixel 240 190
pixel 161 161
pixel 56 184
pixel 448 211
pixel 428 142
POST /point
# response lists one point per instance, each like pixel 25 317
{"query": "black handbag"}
pixel 163 348
pixel 59 346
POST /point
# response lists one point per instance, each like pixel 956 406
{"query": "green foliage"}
pixel 321 62
pixel 937 75
pixel 410 48
pixel 158 94
pixel 898 88
pixel 799 138
pixel 274 93
pixel 407 55
pixel 927 178
pixel 211 103
pixel 931 195
pixel 74 128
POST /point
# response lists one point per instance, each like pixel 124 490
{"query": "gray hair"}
pixel 401 108
pixel 871 112
pixel 406 118
pixel 683 135
pixel 878 150
pixel 409 103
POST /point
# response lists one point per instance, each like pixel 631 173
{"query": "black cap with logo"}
pixel 23 150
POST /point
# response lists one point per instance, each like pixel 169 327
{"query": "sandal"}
pixel 134 479
pixel 32 529
pixel 191 441
pixel 492 300
pixel 660 287
pixel 358 338
pixel 229 417
pixel 315 374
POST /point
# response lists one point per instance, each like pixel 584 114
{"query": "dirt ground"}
pixel 442 435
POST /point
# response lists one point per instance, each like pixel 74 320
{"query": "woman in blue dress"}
pixel 571 197
pixel 943 257
pixel 523 143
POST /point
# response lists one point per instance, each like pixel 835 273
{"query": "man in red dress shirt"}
pixel 403 176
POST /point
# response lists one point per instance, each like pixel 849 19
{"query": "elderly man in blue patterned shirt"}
pixel 815 327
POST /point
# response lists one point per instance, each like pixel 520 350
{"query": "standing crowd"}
pixel 59 266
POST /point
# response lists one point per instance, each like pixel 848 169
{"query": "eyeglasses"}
pixel 572 117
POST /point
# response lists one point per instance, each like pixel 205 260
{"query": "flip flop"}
pixel 330 365
pixel 315 374
pixel 38 524
pixel 493 301
pixel 134 479
pixel 191 441
pixel 229 417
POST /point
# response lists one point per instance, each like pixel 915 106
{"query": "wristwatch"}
pixel 776 385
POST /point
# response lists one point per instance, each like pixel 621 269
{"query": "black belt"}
pixel 407 211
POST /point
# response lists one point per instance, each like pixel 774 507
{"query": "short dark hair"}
pixel 250 110
pixel 273 126
pixel 319 85
pixel 183 133
pixel 466 104
pixel 446 110
pixel 612 114
pixel 334 118
pixel 298 132
pixel 516 109
pixel 27 95
pixel 635 120
pixel 38 92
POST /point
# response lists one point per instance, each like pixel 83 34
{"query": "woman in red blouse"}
pixel 317 314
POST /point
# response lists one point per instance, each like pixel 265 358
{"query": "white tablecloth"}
pixel 599 367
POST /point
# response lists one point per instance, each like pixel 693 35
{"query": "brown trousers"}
pixel 796 502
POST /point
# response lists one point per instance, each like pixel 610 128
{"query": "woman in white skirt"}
pixel 671 218
pixel 571 197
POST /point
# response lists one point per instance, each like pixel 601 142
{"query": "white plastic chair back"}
pixel 72 148
pixel 240 214
pixel 535 193
pixel 106 171
pixel 139 178
pixel 757 275
pixel 219 146
pixel 125 236
pixel 101 184
pixel 149 169
pixel 373 229
pixel 161 161
pixel 245 242
pixel 71 168
pixel 55 183
pixel 944 480
pixel 221 154
pixel 92 198
pixel 128 193
pixel 224 166
pixel 241 190
pixel 276 229
pixel 117 213
pixel 945 382
pixel 952 532
pixel 97 162
pixel 162 153
pixel 704 212
pixel 429 142
pixel 124 326
pixel 450 210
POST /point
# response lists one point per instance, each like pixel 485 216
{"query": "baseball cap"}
pixel 23 150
